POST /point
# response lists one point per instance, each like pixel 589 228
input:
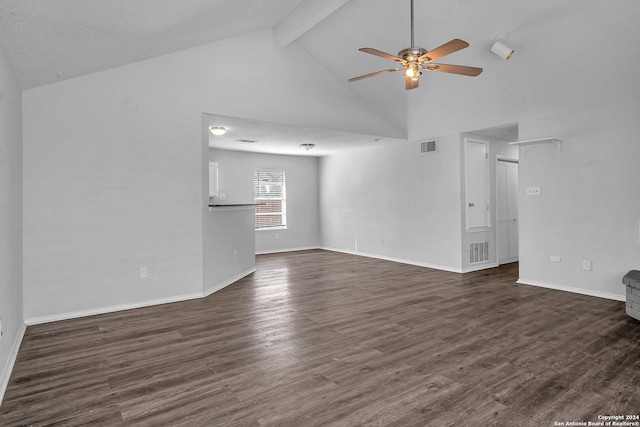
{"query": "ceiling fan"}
pixel 415 59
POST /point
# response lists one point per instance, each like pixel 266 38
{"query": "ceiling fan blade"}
pixel 454 69
pixel 411 84
pixel 446 49
pixel 381 54
pixel 390 70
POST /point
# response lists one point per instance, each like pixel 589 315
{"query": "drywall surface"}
pixel 588 207
pixel 10 219
pixel 235 171
pixel 229 246
pixel 113 167
pixel 394 202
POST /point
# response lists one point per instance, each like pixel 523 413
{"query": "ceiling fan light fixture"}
pixel 502 50
pixel 218 130
pixel 413 71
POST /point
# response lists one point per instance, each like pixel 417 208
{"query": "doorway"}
pixel 507 217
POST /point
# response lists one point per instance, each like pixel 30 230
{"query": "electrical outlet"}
pixel 382 241
pixel 144 272
pixel 533 191
pixel 222 196
pixel 556 259
pixel 235 254
pixel 586 265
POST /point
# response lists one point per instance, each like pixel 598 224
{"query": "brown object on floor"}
pixel 317 338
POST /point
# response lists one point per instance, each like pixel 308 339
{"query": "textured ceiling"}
pixel 47 41
pixel 277 138
pixel 573 54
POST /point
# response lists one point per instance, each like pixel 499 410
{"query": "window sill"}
pixel 479 229
pixel 284 227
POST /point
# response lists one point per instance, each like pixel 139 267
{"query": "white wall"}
pixel 113 167
pixel 10 220
pixel 589 205
pixel 394 193
pixel 229 247
pixel 236 182
pixel 112 184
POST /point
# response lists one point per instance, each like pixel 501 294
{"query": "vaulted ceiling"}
pixel 573 54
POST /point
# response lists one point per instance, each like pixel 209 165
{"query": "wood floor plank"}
pixel 317 338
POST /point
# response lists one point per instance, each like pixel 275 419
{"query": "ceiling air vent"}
pixel 429 146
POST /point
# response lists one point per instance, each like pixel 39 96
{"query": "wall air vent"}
pixel 429 146
pixel 250 141
pixel 478 252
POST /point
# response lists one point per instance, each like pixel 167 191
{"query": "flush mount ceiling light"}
pixel 218 130
pixel 307 146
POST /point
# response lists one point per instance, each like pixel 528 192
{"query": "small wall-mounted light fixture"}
pixel 501 49
pixel 218 130
pixel 307 146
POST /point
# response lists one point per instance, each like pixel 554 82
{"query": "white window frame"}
pixel 283 199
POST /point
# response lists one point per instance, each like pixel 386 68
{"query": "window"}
pixel 269 193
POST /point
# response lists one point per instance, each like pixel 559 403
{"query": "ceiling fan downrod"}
pixel 412 43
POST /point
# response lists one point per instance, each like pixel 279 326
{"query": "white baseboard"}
pixel 479 267
pixel 399 260
pixel 110 309
pixel 8 367
pixel 149 303
pixel 226 283
pixel 582 291
pixel 278 251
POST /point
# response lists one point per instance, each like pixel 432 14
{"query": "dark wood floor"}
pixel 320 338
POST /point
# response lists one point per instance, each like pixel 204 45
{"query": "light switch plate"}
pixel 533 191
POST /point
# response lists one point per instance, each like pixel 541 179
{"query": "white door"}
pixel 507 210
pixel 477 183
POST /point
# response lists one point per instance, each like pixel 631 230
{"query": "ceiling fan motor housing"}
pixel 412 53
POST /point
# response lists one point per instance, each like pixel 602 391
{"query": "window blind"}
pixel 269 194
